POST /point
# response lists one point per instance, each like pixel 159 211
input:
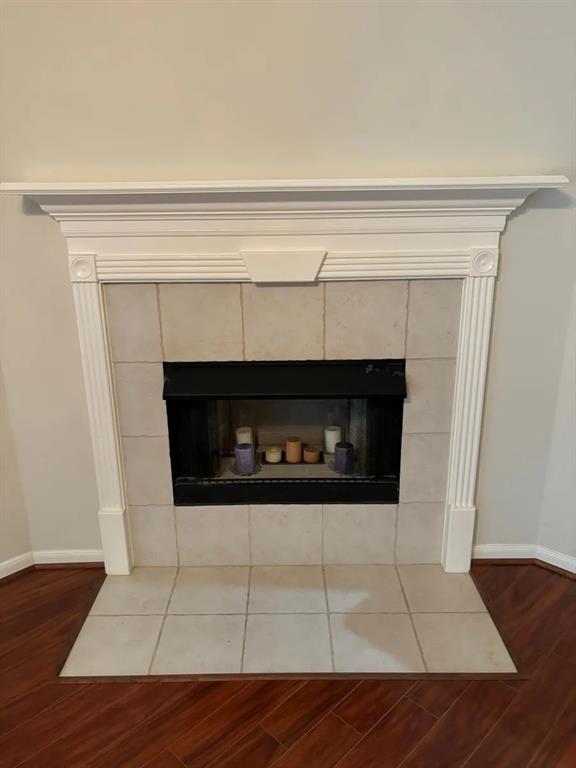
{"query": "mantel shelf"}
pixel 450 183
pixel 94 212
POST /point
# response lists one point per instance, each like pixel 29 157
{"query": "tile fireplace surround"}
pixel 285 270
pixel 149 324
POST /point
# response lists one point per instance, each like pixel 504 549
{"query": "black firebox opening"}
pixel 207 402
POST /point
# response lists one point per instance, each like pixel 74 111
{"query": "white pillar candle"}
pixel 332 435
pixel 273 454
pixel 244 435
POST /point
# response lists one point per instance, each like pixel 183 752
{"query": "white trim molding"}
pixel 15 564
pixel 525 552
pixel 49 557
pixel 285 232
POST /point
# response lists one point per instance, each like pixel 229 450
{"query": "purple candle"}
pixel 245 458
pixel 344 458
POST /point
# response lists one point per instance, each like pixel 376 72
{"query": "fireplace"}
pixel 209 405
pixel 400 269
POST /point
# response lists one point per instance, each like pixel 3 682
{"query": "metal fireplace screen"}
pixel 319 431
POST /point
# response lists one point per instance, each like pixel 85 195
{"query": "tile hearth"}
pixel 288 619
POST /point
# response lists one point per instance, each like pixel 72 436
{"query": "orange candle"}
pixel 311 455
pixel 293 450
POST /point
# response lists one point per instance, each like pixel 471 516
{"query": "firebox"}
pixel 313 431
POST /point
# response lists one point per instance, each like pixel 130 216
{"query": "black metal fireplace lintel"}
pixel 307 378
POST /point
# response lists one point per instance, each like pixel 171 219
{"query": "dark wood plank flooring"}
pixel 430 723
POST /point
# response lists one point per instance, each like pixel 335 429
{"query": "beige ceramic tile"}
pixel 433 318
pixel 141 409
pixel 298 643
pixel 461 642
pixel 284 322
pixel 210 589
pixel 424 467
pixel 429 588
pixel 153 532
pixel 286 534
pixel 364 589
pixel 287 589
pixel 201 322
pixel 430 385
pixel 359 533
pixel 195 645
pixel 147 469
pixel 366 319
pixel 215 535
pixel 113 645
pixel 133 324
pixel 419 535
pixel 374 642
pixel 144 591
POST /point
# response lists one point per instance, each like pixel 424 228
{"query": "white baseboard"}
pixel 15 564
pixel 525 551
pixel 558 559
pixel 49 556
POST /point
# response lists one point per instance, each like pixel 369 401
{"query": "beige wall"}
pixel 14 536
pixel 43 378
pixel 184 90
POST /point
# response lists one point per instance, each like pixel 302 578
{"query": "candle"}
pixel 332 435
pixel 311 455
pixel 245 460
pixel 244 435
pixel 293 450
pixel 273 454
pixel 344 458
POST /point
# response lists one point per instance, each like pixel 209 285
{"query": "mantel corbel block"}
pixel 283 266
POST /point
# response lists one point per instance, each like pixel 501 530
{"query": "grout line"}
pixel 294 565
pixel 394 553
pixel 242 321
pixel 408 283
pixel 160 327
pixel 162 624
pixel 250 547
pixel 322 543
pixel 328 620
pixel 246 619
pixel 409 434
pixel 177 538
pixel 137 362
pixel 263 613
pixel 324 320
pixel 412 621
pixel 147 437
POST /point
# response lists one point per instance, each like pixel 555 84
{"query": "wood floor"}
pixel 289 723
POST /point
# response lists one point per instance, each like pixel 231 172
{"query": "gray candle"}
pixel 344 458
pixel 245 459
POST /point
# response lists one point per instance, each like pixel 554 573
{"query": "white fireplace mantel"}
pixel 282 232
